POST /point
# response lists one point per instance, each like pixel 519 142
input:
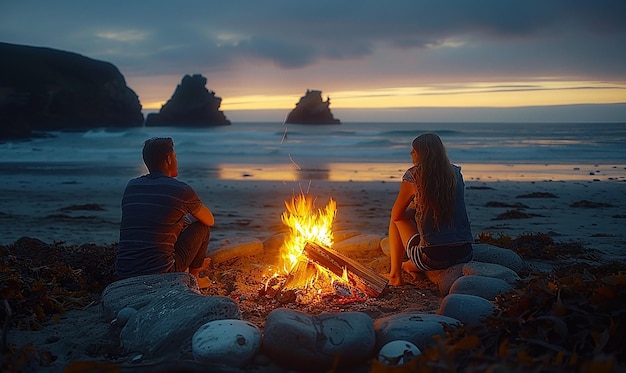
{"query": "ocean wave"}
pixel 105 133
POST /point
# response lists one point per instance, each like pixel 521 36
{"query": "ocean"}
pixel 349 151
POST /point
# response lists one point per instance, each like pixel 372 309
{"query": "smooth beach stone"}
pixel 417 328
pixel 444 278
pixel 230 342
pixel 274 242
pixel 469 309
pixel 137 292
pixel 384 246
pixel 490 270
pixel 167 324
pixel 359 244
pixel 486 253
pixel 343 235
pixel 481 286
pixel 298 340
pixel 399 352
pixel 234 247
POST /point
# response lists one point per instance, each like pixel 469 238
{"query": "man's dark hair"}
pixel 155 152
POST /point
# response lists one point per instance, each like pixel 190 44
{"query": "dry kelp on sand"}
pixel 568 320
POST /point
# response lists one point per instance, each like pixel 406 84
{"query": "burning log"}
pixel 364 279
pixel 297 278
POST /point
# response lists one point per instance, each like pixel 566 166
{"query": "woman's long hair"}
pixel 436 183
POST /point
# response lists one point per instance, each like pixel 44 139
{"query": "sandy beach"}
pixel 76 209
pixel 71 210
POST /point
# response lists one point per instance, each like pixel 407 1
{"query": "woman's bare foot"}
pixel 410 268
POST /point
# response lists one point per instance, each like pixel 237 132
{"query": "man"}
pixel 164 226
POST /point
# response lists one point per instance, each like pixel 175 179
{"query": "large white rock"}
pixel 481 286
pixel 417 328
pixel 234 247
pixel 490 270
pixel 230 342
pixel 492 254
pixel 301 341
pixel 399 352
pixel 468 309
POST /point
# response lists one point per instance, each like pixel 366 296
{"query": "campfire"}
pixel 310 269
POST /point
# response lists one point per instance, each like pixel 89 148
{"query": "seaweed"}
pixel 569 320
pixel 39 280
pixel 540 246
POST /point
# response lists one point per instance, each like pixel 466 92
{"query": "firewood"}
pixel 365 279
pixel 296 279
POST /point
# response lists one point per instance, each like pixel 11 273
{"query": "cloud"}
pixel 415 38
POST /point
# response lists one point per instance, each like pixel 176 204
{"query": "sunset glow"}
pixel 492 94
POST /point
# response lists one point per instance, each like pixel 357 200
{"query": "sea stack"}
pixel 190 105
pixel 45 89
pixel 311 109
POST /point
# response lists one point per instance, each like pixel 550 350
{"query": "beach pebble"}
pixel 230 342
pixel 481 286
pixel 469 309
pixel 298 340
pixel 493 254
pixel 490 270
pixel 234 247
pixel 398 352
pixel 417 328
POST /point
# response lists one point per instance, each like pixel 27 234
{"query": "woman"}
pixel 436 234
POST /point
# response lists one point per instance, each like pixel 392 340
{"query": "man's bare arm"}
pixel 205 216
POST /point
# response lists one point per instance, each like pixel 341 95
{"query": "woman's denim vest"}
pixel 458 232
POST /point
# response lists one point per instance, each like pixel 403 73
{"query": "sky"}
pixel 400 60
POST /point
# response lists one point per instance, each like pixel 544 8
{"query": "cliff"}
pixel 48 89
pixel 190 105
pixel 312 110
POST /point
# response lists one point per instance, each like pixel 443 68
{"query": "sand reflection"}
pixel 378 172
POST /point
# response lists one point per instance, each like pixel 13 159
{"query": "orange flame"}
pixel 306 225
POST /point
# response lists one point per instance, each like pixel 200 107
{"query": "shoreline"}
pixel 53 208
pixel 294 170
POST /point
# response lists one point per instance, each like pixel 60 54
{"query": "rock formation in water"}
pixel 48 89
pixel 312 110
pixel 190 105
